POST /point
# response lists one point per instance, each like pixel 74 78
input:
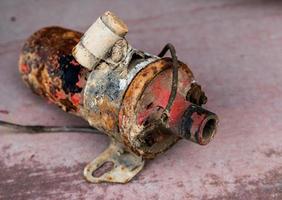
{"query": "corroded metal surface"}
pixel 133 110
pixel 48 67
pixel 110 97
pixel 115 165
pixel 123 92
pixel 243 162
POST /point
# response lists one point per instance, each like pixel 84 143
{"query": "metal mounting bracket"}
pixel 115 164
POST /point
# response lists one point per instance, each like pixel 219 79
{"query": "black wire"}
pixel 50 129
pixel 174 83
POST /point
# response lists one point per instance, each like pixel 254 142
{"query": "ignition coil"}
pixel 145 103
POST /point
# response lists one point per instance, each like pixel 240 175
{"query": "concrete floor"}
pixel 234 48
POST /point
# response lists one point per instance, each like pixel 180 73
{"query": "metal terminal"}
pixel 196 95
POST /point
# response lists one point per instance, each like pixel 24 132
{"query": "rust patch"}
pixel 196 95
pixel 127 114
pixel 47 66
pixel 106 119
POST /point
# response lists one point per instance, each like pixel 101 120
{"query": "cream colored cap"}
pixel 99 39
pixel 115 23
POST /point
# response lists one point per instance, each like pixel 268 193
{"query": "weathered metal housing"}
pixel 121 91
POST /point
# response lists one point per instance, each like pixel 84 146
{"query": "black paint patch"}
pixel 70 74
pixel 187 121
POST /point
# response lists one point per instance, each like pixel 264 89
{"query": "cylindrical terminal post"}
pixel 198 124
pixel 99 39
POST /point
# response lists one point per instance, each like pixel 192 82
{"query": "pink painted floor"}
pixel 235 50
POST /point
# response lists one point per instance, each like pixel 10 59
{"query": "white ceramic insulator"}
pixel 99 39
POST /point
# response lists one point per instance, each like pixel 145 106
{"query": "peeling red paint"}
pixel 60 95
pixel 24 68
pixel 197 121
pixel 159 90
pixel 81 82
pixel 75 98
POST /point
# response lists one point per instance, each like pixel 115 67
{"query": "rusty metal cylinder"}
pixel 49 69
